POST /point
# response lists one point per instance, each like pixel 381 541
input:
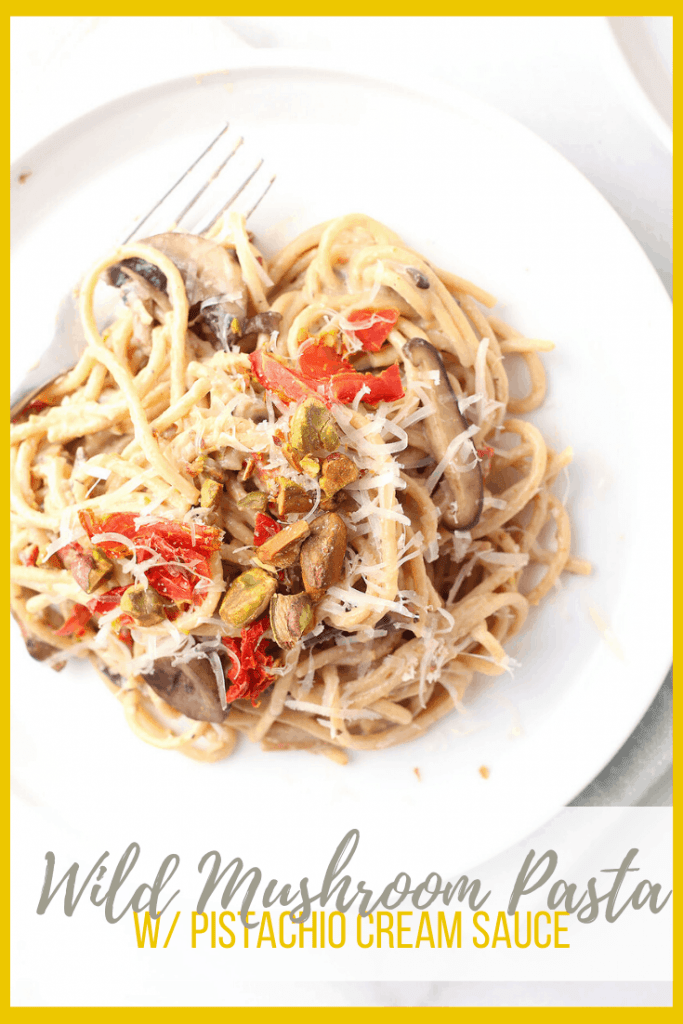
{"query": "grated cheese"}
pixel 516 561
pixel 449 456
pixel 356 599
pixel 67 535
pixel 350 714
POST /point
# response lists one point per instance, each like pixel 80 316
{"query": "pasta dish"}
pixel 290 498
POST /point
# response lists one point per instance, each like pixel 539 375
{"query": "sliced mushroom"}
pixel 191 688
pixel 466 485
pixel 421 280
pixel 207 269
pixel 108 673
pixel 213 281
pixel 41 651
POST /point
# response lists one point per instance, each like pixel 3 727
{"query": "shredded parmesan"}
pixel 449 457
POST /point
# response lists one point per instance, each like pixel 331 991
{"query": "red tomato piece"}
pixel 178 543
pixel 30 555
pixel 374 326
pixel 385 387
pixel 248 672
pixel 125 635
pixel 265 528
pixel 76 623
pixel 320 362
pixel 105 602
pixel 281 380
pixel 172 583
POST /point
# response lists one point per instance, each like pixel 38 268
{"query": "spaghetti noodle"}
pixel 330 436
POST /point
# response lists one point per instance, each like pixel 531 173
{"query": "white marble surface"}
pixel 565 78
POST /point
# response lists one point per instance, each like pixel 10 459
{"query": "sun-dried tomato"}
pixel 249 662
pixel 319 362
pixel 383 387
pixel 105 602
pixel 30 555
pixel 189 547
pixel 77 621
pixel 378 324
pixel 265 527
pixel 281 380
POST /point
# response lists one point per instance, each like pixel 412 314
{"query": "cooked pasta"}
pixel 292 499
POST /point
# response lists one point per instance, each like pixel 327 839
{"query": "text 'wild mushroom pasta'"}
pixel 293 500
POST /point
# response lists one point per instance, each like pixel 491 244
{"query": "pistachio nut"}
pixel 89 568
pixel 247 597
pixel 312 427
pixel 197 466
pixel 249 466
pixel 291 617
pixel 310 466
pixel 292 498
pixel 54 561
pixel 322 554
pixel 282 550
pixel 144 604
pixel 210 493
pixel 337 471
pixel 292 457
pixel 255 501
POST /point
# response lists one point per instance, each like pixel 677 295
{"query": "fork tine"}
pixel 175 185
pixel 262 196
pixel 206 184
pixel 232 198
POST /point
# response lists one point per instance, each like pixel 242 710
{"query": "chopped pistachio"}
pixel 89 569
pixel 310 466
pixel 337 471
pixel 210 494
pixel 282 550
pixel 249 466
pixel 144 604
pixel 247 597
pixel 256 501
pixel 55 561
pixel 322 555
pixel 291 617
pixel 312 427
pixel 292 498
pixel 292 457
pixel 197 466
pixel 214 471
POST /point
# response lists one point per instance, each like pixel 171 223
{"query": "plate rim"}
pixel 382 73
pixel 429 89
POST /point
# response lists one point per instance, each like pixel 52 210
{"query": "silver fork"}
pixel 69 341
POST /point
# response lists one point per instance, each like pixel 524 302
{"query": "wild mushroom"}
pixel 41 651
pixel 190 688
pixel 215 290
pixel 466 485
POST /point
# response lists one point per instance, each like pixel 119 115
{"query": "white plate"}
pixel 482 196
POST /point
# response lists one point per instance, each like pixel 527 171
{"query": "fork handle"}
pixel 66 348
